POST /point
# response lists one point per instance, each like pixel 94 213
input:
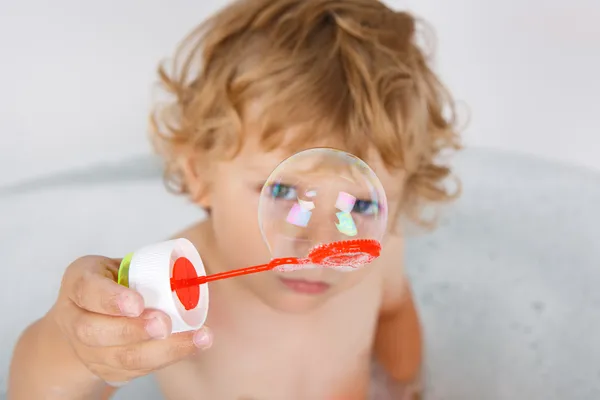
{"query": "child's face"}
pixel 233 198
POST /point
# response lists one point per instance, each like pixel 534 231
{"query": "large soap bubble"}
pixel 323 206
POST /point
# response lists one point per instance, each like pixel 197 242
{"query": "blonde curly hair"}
pixel 351 69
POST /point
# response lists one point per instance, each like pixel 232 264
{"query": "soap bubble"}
pixel 325 207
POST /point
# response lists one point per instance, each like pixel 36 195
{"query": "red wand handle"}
pixel 355 253
pixel 177 284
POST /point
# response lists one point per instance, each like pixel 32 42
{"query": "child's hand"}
pixel 109 329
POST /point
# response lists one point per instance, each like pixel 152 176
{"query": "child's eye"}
pixel 365 207
pixel 283 192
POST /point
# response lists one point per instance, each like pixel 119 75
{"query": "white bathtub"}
pixel 507 286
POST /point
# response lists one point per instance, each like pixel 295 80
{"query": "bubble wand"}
pixel 353 253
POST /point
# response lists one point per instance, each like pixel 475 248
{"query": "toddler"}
pixel 259 81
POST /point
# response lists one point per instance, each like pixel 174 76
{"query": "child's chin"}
pixel 292 303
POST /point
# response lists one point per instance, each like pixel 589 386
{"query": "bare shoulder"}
pixel 395 282
pixel 198 233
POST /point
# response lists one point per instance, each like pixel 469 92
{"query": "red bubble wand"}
pixel 353 253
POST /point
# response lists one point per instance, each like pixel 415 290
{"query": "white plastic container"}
pixel 149 270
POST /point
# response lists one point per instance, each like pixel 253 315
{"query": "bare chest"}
pixel 292 357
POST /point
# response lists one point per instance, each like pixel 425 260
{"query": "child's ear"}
pixel 195 179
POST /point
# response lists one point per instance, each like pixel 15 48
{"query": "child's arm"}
pixel 398 341
pixel 45 366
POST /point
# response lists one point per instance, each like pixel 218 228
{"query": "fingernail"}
pixel 203 339
pixel 156 328
pixel 129 305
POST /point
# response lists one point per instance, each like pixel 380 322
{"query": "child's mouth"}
pixel 304 286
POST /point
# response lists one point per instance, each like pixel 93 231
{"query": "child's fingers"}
pixel 156 354
pixel 89 285
pixel 97 330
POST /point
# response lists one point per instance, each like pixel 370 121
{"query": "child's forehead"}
pixel 256 159
pixel 258 155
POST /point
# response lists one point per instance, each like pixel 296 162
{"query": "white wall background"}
pixel 76 77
